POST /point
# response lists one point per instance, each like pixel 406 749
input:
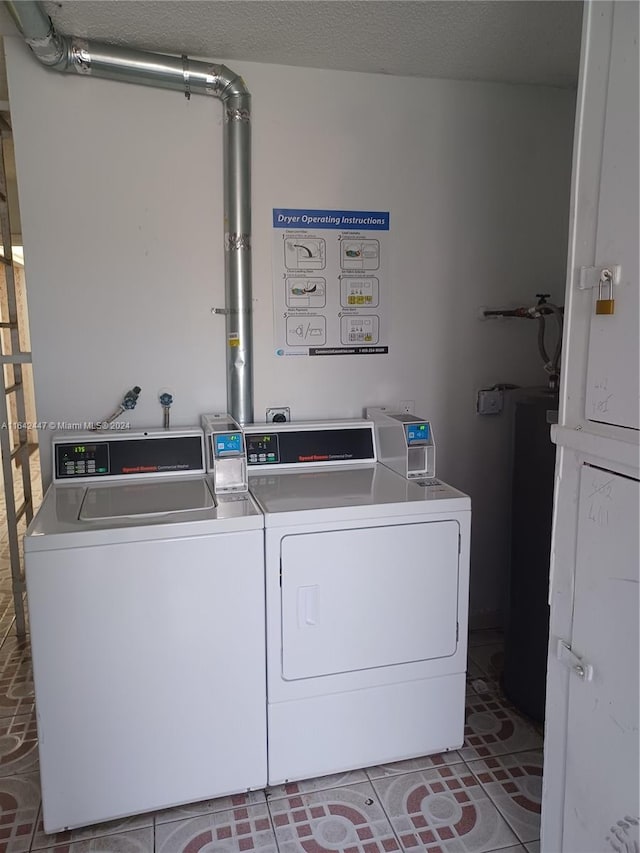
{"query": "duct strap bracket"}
pixel 185 74
pixel 238 115
pixel 237 242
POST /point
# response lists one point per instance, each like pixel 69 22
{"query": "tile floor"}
pixel 484 797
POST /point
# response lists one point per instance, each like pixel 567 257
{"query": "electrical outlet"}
pixel 490 401
pixel 407 406
pixel 278 415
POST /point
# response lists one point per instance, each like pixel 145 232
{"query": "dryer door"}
pixel 369 597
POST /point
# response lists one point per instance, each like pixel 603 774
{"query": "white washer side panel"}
pixel 141 645
pixel 372 597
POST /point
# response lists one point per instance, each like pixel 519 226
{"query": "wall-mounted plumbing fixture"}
pixel 540 311
pixel 166 401
pixel 90 58
pixel 129 402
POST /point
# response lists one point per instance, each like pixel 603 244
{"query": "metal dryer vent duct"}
pixel 68 53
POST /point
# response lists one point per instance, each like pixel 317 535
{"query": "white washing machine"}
pixel 146 608
pixel 367 577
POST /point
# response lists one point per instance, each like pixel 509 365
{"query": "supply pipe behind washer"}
pixel 86 57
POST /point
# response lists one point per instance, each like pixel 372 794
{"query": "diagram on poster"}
pixel 359 291
pixel 330 281
pixel 304 254
pixel 360 254
pixel 306 292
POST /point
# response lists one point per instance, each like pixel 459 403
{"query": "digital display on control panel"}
pixel 417 433
pixel 227 443
pixel 82 460
pixel 262 449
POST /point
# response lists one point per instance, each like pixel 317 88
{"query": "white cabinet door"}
pixel 602 730
pixel 590 787
pixel 613 386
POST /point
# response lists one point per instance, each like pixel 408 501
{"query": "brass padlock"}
pixel 605 306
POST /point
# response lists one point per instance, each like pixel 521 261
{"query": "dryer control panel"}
pixel 309 444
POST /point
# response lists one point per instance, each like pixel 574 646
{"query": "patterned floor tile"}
pixel 494 727
pixel 514 784
pixel 124 826
pixel 485 687
pixel 138 841
pixel 443 809
pixel 19 745
pixel 19 803
pixel 7 623
pixel 321 783
pixel 220 804
pixel 234 831
pixel 473 670
pixel 489 659
pixel 6 600
pixel 532 847
pixel 16 677
pixel 413 764
pixel 486 637
pixel 348 819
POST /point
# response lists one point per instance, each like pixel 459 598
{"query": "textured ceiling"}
pixel 514 41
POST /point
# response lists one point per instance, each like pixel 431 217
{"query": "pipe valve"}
pixel 131 398
pixel 166 401
pixel 128 403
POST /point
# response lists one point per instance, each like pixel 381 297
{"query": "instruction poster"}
pixel 330 282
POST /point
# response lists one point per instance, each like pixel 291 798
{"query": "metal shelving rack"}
pixel 14 445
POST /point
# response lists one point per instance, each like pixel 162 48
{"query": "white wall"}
pixel 121 198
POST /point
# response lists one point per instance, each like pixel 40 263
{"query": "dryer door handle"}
pixel 307 606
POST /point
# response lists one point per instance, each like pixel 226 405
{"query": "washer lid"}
pixel 145 499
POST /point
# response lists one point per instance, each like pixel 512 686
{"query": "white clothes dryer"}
pixel 367 579
pixel 146 607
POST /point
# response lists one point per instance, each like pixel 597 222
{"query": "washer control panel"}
pixel 227 444
pixel 80 460
pixel 227 458
pixel 143 454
